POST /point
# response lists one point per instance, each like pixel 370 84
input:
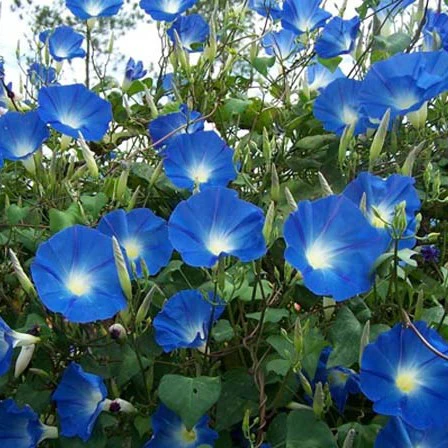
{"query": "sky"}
pixel 141 43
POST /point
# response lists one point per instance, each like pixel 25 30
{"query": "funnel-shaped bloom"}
pixel 64 43
pixel 80 398
pixel 75 275
pixel 165 128
pixel 435 31
pixel 185 320
pixel 192 31
pixel 75 109
pixel 9 339
pixel 318 76
pixel 134 71
pixel 282 44
pixel 382 197
pixel 406 379
pixel 400 83
pixel 302 16
pixel 266 8
pixel 21 428
pixel 341 381
pixel 21 134
pixel 166 10
pixel 334 247
pixel 201 159
pixel 338 106
pixel 142 235
pixel 39 75
pixel 338 37
pixel 397 434
pixel 169 431
pixel 90 9
pixel 216 223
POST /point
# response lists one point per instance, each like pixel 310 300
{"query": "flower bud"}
pixel 24 359
pixel 123 274
pixel 269 223
pixel 305 384
pixel 298 337
pixel 150 100
pixel 275 184
pixel 89 156
pixel 156 174
pixel 418 118
pixel 65 142
pixel 292 204
pixel 399 222
pixel 24 280
pixel 134 198
pixel 144 307
pixel 122 185
pixel 118 333
pixel 324 185
pixel 379 139
pixel 319 400
pixel 349 438
pixel 344 143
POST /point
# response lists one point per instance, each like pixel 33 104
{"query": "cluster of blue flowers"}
pixel 334 242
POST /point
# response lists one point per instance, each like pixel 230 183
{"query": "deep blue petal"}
pixel 75 274
pixel 166 10
pixel 64 43
pixel 266 8
pixel 283 44
pixel 21 134
pixel 192 31
pixel 73 109
pixel 216 223
pixel 202 158
pixel 88 9
pixel 301 16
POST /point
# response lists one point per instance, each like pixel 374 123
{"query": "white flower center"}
pixel 318 257
pixel 22 150
pixel 405 101
pixel 71 121
pixel 133 249
pixel 379 217
pixel 171 6
pixel 93 8
pixel 349 116
pixel 200 174
pixel 78 283
pixel 218 244
pixel 407 381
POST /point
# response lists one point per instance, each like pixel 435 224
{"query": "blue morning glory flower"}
pixel 75 275
pixel 339 106
pixel 266 8
pixel 394 84
pixel 75 109
pixel 10 339
pixel 39 75
pixel 338 37
pixel 341 381
pixel 90 9
pixel 134 71
pixel 192 31
pixel 184 121
pixel 169 431
pixel 216 223
pixel 80 398
pixel 397 434
pixel 21 134
pixel 318 76
pixel 21 428
pixel 436 25
pixel 333 246
pixel 282 44
pixel 143 236
pixel 433 77
pixel 404 378
pixel 166 10
pixel 201 159
pixel 302 16
pixel 382 197
pixel 185 320
pixel 430 253
pixel 64 43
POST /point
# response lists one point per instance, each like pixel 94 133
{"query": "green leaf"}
pixel 313 344
pixel 332 64
pixel 345 334
pixel 314 142
pixel 272 315
pixel 395 43
pixel 262 64
pixel 15 214
pixel 190 398
pixel 279 366
pixel 305 430
pixel 60 220
pixel 94 204
pixel 282 346
pixel 223 331
pixel 139 86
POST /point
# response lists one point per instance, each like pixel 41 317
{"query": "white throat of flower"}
pixel 318 256
pixel 79 283
pixel 407 381
pixel 171 6
pixel 133 248
pixel 219 244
